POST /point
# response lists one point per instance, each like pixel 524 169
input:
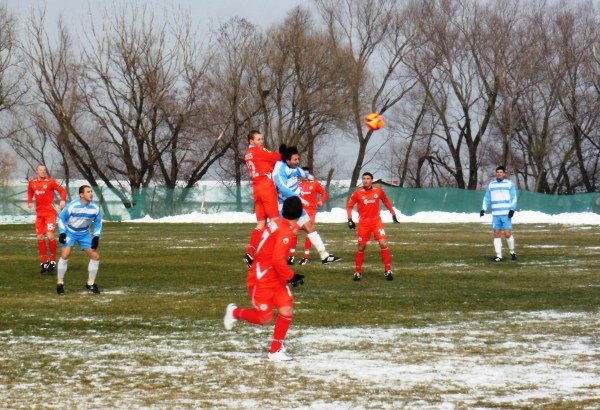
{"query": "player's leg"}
pixel 307 225
pixel 93 267
pixel 359 259
pixel 292 253
pixel 497 226
pixel 63 264
pixel 386 257
pixel 307 242
pixel 41 229
pixel 510 242
pixel 52 243
pixel 261 314
pixel 283 301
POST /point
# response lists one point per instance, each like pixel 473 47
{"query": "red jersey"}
pixel 260 163
pixel 43 190
pixel 368 203
pixel 309 191
pixel 270 266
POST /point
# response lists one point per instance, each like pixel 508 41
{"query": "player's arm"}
pixel 280 255
pixel 266 155
pixel 388 204
pixel 351 202
pixel 513 197
pixel 30 195
pixel 321 191
pixel 487 199
pixel 63 194
pixel 98 223
pixel 63 218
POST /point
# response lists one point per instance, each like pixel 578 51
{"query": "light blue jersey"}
pixel 501 196
pixel 286 180
pixel 75 219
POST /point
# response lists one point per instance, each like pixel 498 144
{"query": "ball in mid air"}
pixel 374 121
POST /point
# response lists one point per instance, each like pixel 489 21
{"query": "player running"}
pixel 74 226
pixel 260 162
pixel 502 196
pixel 286 174
pixel 370 223
pixel 268 280
pixel 315 195
pixel 42 189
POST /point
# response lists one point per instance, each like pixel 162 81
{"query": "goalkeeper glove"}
pixel 62 238
pixel 95 242
pixel 297 280
pixel 510 213
pixel 395 219
pixel 351 224
pixel 481 213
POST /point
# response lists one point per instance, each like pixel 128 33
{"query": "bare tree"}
pixel 11 70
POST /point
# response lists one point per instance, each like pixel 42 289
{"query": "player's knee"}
pixel 362 247
pixel 286 311
pixel 383 244
pixel 265 317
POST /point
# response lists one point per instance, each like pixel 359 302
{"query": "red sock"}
pixel 249 315
pixel 42 250
pixel 282 324
pixel 52 249
pixel 307 245
pixel 358 261
pixel 386 258
pixel 254 241
pixel 293 245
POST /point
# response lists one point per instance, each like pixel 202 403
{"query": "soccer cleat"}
pixel 388 275
pixel 357 277
pixel 92 288
pixel 497 259
pixel 513 256
pixel 303 261
pixel 290 260
pixel 228 319
pixel 51 266
pixel 248 259
pixel 279 356
pixel 329 259
pixel 60 289
pixel 44 267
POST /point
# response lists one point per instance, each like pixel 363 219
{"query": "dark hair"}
pixel 307 169
pixel 501 167
pixel 292 208
pixel 368 173
pixel 286 155
pixel 251 134
pixel 83 187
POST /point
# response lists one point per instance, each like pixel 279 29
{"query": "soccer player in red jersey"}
pixel 368 198
pixel 260 162
pixel 42 189
pixel 315 195
pixel 268 280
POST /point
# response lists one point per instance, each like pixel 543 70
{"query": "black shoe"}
pixel 51 266
pixel 92 288
pixel 303 261
pixel 388 275
pixel 357 277
pixel 513 256
pixel 497 259
pixel 329 259
pixel 248 259
pixel 44 267
pixel 290 260
pixel 60 289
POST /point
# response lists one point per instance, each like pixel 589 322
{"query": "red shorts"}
pixel 45 224
pixel 264 298
pixel 265 202
pixel 365 230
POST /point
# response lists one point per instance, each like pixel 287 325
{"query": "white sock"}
pixel 61 269
pixel 498 246
pixel 511 244
pixel 93 271
pixel 319 245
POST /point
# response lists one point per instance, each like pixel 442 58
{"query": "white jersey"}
pixel 501 196
pixel 76 218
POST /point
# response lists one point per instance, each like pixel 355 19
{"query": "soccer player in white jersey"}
pixel 501 195
pixel 74 226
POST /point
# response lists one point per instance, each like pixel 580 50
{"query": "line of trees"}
pixel 140 97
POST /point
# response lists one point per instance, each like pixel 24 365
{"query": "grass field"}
pixel 453 330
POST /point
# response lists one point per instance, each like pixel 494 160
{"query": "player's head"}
pixel 367 179
pixel 292 208
pixel 256 138
pixel 41 171
pixel 85 193
pixel 500 173
pixel 291 157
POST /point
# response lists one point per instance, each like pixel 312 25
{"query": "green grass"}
pixel 155 337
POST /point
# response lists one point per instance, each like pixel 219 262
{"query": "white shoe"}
pixel 228 319
pixel 279 356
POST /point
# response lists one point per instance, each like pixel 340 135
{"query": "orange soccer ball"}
pixel 374 121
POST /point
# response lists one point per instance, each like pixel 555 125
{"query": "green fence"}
pixel 159 202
